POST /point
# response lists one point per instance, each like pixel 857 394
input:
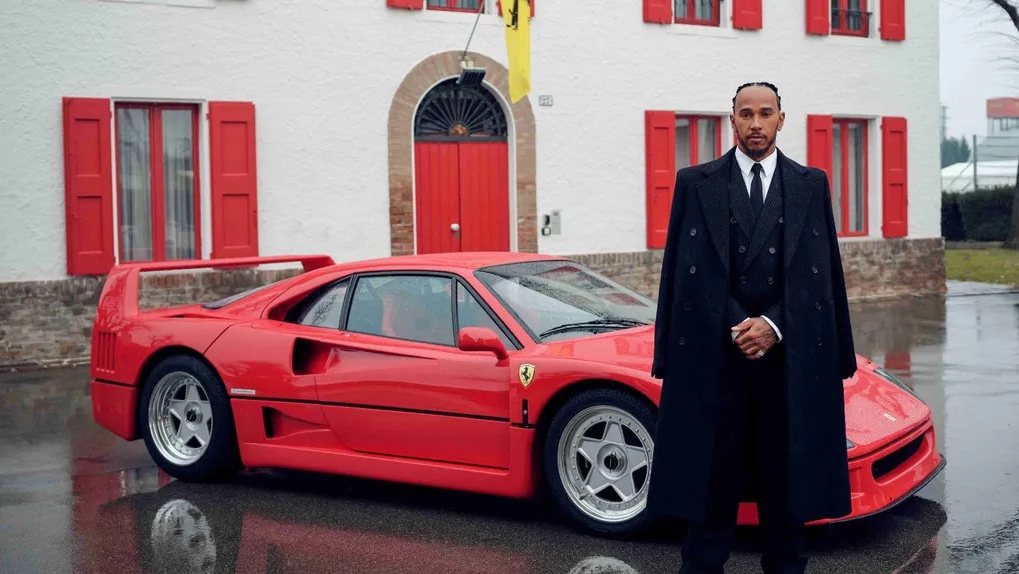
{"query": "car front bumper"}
pixel 892 474
pixel 884 478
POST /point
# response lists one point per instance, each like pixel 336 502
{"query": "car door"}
pixel 398 385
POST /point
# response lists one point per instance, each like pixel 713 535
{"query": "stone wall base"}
pixel 49 323
pixel 875 269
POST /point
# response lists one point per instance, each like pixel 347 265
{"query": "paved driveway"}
pixel 73 498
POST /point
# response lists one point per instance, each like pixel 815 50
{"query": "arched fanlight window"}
pixel 452 112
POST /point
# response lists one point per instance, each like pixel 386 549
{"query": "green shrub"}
pixel 952 228
pixel 987 214
pixel 983 215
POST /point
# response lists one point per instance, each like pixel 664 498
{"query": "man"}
pixel 752 341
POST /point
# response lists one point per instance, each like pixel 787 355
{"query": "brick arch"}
pixel 426 74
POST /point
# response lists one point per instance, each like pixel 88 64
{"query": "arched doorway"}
pixel 461 171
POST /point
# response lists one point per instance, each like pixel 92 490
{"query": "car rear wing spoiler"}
pixel 119 298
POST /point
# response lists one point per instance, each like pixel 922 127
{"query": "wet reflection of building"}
pixel 35 459
pixel 980 377
pixel 908 337
pixel 961 355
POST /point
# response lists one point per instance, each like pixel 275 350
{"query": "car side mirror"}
pixel 481 339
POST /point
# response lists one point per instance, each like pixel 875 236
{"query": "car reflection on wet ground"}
pixel 74 498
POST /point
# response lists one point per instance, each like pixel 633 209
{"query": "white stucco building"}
pixel 139 129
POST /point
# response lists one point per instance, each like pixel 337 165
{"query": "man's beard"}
pixel 756 153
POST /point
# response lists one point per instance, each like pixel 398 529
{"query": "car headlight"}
pixel 849 444
pixel 892 379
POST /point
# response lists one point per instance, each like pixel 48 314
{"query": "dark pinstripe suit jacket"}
pixel 755 252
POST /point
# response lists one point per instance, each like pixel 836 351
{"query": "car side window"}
pixel 470 313
pixel 409 307
pixel 322 308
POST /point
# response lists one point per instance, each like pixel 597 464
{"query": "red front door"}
pixel 462 196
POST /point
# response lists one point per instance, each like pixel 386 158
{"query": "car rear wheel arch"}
pixel 165 353
pixel 224 453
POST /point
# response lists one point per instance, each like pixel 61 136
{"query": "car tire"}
pixel 593 420
pixel 180 396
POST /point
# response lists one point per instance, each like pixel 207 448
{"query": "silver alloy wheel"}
pixel 180 418
pixel 605 459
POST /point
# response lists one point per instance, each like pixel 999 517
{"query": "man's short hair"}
pixel 768 85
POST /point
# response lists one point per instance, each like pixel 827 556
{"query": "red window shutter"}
pixel 818 17
pixel 660 158
pixel 234 179
pixel 88 186
pixel 819 143
pixel 893 20
pixel 408 4
pixel 895 188
pixel 747 14
pixel 658 11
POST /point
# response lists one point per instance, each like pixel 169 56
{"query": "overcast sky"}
pixel 975 34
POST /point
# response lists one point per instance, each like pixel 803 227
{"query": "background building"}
pixel 178 129
pixel 994 161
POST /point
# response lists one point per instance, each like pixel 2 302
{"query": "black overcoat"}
pixel 691 329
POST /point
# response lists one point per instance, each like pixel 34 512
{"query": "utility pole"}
pixel 944 122
pixel 975 162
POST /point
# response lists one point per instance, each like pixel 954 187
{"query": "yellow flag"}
pixel 517 14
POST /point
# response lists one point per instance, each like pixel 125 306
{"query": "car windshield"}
pixel 563 300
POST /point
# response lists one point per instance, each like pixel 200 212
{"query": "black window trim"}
pixel 454 278
pixel 317 292
pixel 491 269
pixel 514 342
pixel 535 338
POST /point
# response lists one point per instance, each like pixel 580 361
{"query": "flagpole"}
pixel 481 6
pixel 471 76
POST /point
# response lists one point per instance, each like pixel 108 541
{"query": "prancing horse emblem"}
pixel 526 374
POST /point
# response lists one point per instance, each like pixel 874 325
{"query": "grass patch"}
pixel 985 265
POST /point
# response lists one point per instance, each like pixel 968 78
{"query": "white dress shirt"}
pixel 768 165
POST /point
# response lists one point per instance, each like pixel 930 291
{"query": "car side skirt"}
pixel 303 439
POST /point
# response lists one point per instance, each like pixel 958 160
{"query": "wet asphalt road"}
pixel 74 498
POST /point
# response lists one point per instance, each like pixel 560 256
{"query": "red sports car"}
pixel 497 373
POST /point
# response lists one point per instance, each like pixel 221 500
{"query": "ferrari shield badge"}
pixel 526 374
